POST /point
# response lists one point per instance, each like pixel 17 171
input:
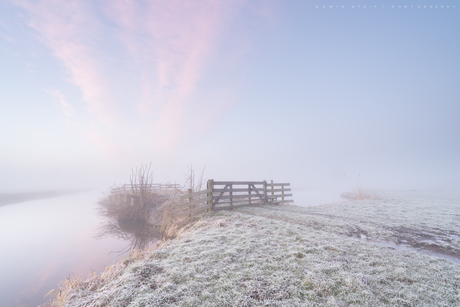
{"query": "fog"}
pixel 272 90
pixel 328 100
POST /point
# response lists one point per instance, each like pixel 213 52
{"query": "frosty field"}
pixel 294 256
pixel 428 221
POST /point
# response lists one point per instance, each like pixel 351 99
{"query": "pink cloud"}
pixel 178 38
pixel 67 28
pixel 164 47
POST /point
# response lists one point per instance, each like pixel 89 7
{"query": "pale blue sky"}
pixel 250 89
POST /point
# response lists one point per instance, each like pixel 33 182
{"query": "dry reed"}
pixel 359 192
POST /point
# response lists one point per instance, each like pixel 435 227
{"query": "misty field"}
pixel 293 256
pixel 428 221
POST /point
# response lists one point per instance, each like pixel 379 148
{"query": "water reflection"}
pixel 48 240
pixel 139 234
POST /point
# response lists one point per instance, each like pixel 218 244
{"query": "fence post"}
pixel 209 194
pixel 249 187
pixel 189 199
pixel 265 191
pixel 273 193
pixel 282 194
pixel 231 196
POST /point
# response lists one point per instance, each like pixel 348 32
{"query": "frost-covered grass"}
pixel 425 220
pixel 272 256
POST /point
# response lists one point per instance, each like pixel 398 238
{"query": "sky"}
pixel 323 98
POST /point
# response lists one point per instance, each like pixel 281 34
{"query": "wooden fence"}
pixel 226 195
pixel 154 187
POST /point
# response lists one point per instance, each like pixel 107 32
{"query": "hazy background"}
pixel 252 90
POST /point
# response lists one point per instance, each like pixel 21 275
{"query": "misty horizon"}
pixel 251 92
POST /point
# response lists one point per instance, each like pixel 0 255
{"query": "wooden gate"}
pixel 227 195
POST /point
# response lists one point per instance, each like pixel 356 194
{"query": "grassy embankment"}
pixel 289 256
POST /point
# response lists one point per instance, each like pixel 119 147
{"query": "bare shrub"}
pixel 195 184
pixel 139 203
pixel 141 181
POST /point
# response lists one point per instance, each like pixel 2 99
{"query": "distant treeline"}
pixel 14 198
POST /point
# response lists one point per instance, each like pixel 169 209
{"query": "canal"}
pixel 45 241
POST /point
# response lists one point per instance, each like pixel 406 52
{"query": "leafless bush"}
pixel 195 184
pixel 139 203
pixel 132 207
pixel 141 180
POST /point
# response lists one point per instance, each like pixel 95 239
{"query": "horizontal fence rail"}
pixel 193 204
pixel 154 187
pixel 225 195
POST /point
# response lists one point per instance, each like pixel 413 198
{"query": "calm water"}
pixel 43 242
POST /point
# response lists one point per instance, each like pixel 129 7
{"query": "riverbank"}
pixel 287 255
pixel 16 198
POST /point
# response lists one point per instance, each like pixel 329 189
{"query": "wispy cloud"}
pixel 171 42
pixel 61 103
pixel 158 51
pixel 68 29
